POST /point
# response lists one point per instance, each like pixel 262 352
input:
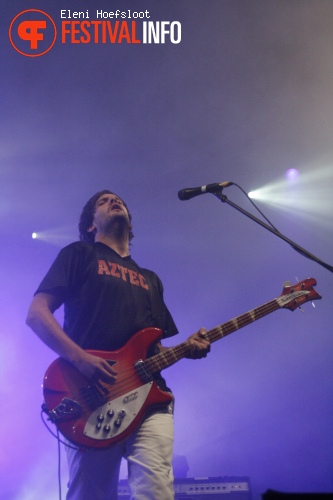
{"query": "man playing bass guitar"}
pixel 107 298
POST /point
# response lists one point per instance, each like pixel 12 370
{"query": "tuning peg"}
pixel 313 304
pixel 301 309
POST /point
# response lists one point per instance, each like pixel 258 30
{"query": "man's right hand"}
pixel 94 367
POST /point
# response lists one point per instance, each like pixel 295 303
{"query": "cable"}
pixel 56 435
pixel 59 465
pixel 59 442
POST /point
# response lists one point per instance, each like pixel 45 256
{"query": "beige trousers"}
pixel 94 474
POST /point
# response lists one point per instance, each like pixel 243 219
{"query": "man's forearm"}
pixel 41 320
pixel 43 323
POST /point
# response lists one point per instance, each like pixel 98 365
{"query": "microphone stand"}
pixel 296 247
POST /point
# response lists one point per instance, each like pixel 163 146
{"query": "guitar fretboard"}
pixel 171 355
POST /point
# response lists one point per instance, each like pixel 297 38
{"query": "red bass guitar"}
pixel 98 415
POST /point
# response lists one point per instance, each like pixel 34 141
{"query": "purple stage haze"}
pixel 245 96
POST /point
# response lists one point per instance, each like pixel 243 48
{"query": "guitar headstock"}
pixel 294 296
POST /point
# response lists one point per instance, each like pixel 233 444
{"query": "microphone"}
pixel 188 193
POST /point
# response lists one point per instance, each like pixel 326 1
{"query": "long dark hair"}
pixel 87 218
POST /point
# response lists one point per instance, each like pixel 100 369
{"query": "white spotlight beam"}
pixel 310 195
pixel 296 247
pixel 59 236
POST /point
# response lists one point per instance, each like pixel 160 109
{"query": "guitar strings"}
pixel 126 378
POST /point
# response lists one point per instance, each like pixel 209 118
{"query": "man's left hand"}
pixel 199 345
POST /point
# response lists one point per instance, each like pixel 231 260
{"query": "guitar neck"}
pixel 171 355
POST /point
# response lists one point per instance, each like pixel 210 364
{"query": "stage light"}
pixel 309 197
pixel 292 174
pixel 59 236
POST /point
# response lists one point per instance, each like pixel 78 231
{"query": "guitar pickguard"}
pixel 116 416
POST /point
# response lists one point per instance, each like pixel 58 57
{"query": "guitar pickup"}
pixel 94 395
pixel 143 371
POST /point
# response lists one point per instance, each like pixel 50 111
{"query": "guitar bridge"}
pixel 143 371
pixel 66 410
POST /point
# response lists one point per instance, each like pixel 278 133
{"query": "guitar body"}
pixel 98 414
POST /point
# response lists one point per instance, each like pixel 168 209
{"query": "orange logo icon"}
pixel 32 33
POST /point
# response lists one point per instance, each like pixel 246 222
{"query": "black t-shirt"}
pixel 107 298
